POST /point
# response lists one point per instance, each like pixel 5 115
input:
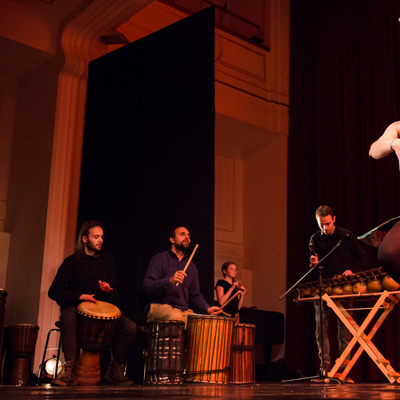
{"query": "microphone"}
pixel 311 247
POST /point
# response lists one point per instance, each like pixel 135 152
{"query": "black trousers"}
pixel 124 336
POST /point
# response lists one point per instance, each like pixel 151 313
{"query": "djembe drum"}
pixel 165 352
pixel 208 344
pixel 96 325
pixel 22 342
pixel 243 354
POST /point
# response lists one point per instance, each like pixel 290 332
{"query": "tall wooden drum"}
pixel 243 354
pixel 165 352
pixel 22 342
pixel 96 325
pixel 208 344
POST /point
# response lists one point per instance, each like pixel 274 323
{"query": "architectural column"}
pixel 80 45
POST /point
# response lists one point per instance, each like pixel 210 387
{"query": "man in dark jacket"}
pixel 347 258
pixel 89 275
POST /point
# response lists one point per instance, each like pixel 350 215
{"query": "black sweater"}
pixel 80 274
pixel 350 255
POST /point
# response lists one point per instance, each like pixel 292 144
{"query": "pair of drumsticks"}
pixel 186 266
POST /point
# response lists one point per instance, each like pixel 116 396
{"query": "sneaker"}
pixel 68 378
pixel 116 375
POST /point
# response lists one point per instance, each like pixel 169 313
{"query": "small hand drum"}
pixel 96 325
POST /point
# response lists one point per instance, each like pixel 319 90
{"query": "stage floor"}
pixel 265 390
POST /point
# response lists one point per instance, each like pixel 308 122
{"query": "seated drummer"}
pixel 89 275
pixel 166 300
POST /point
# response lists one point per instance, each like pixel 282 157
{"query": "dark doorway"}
pixel 148 155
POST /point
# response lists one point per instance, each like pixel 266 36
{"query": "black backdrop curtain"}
pixel 148 154
pixel 344 91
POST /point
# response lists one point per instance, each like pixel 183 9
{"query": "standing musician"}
pixel 170 290
pixel 228 288
pixel 346 259
pixel 89 275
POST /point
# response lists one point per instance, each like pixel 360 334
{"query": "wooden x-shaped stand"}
pixel 387 301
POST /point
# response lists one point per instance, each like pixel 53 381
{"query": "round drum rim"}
pixel 98 310
pixel 246 325
pixel 205 316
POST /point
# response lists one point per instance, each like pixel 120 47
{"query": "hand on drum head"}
pixel 177 277
pixel 87 297
pixel 105 287
pixel 214 310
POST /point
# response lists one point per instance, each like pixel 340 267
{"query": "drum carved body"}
pixel 96 325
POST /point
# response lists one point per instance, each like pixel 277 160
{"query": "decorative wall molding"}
pixel 224 193
pixel 79 43
pixel 228 218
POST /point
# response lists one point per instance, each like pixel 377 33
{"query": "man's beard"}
pixel 181 247
pixel 91 247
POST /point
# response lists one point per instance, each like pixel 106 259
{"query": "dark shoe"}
pixel 324 373
pixel 116 375
pixel 318 380
pixel 68 378
pixel 348 379
pixel 326 369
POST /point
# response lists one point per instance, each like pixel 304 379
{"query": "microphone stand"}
pixel 318 265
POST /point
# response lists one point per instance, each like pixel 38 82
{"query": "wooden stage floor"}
pixel 260 390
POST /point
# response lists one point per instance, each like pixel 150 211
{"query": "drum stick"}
pixel 230 299
pixel 190 259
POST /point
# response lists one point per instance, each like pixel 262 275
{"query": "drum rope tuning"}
pixel 96 325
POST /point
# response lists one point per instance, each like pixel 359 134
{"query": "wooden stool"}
pixel 46 350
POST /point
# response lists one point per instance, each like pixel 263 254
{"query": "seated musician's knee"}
pixel 176 315
pixel 164 312
pixel 68 317
pixel 130 327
